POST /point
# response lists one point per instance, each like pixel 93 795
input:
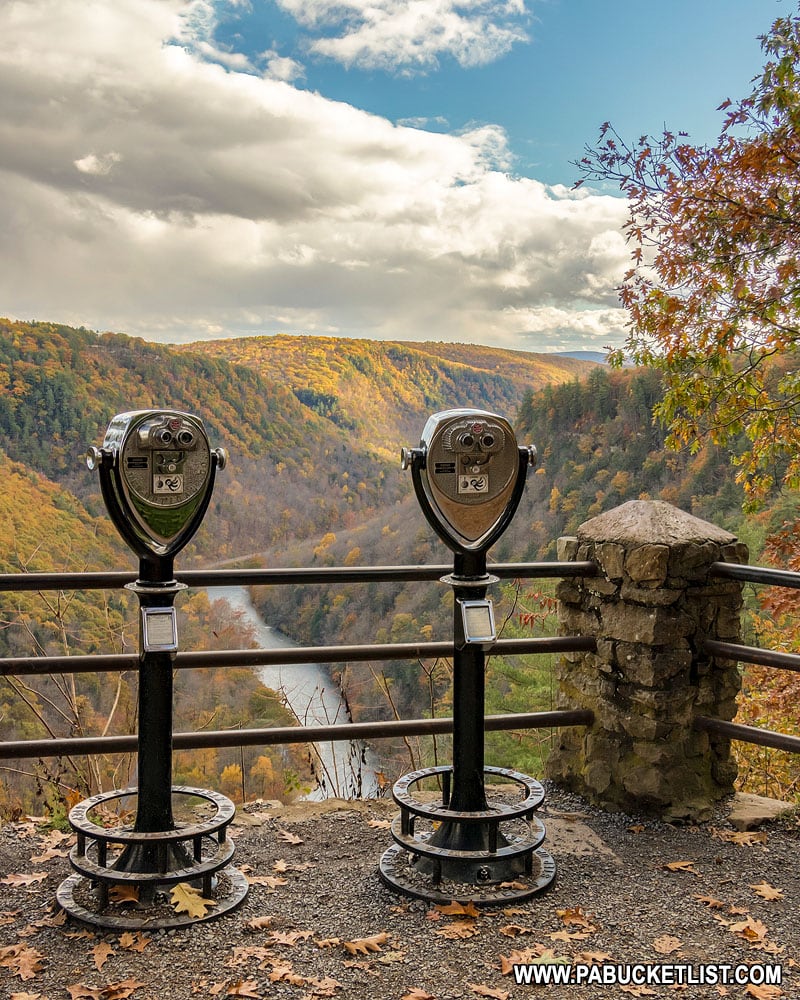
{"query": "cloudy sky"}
pixel 395 169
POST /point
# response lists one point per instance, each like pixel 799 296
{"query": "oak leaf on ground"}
pixel 459 929
pixel 362 946
pixel 289 838
pixel 186 899
pixel 487 991
pixel 101 953
pixel 667 944
pixel 767 891
pixel 455 909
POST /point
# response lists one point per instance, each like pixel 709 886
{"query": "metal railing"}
pixel 97 663
pixel 752 654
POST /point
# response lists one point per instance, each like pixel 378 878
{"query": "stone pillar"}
pixel 649 608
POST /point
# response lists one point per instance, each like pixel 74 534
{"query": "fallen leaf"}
pixel 514 885
pixel 271 881
pixel 289 838
pixel 80 992
pixel 289 938
pixel 745 838
pixel 767 891
pixel 636 828
pixel 380 824
pixel 286 974
pixel 525 957
pixel 30 879
pixel 124 894
pixel 455 909
pixel 485 991
pixel 416 994
pixel 459 929
pixel 514 930
pixel 101 953
pixel 765 992
pixel 682 866
pixel 8 916
pixel 244 988
pixel 574 936
pixel 710 902
pixel 328 942
pixel 362 946
pixel 186 899
pixel 594 957
pixel 48 855
pixel 666 944
pixel 750 930
pixel 25 996
pixel 24 962
pixel 576 915
pixel 121 990
pixel 258 923
pixel 392 957
pixel 638 991
pixel 134 941
pixel 323 987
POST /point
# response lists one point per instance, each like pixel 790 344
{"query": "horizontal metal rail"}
pixel 749 734
pixel 97 663
pixel 753 654
pixel 84 746
pixel 15 582
pixel 756 574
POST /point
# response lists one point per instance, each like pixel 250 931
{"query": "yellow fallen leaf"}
pixel 186 899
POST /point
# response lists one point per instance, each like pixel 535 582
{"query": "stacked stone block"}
pixel 649 608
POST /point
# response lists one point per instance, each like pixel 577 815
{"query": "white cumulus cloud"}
pixel 148 189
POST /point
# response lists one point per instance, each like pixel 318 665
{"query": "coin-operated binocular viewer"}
pixel 469 476
pixel 157 475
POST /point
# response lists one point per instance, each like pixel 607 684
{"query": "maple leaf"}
pixel 485 991
pixel 362 946
pixel 459 929
pixel 30 879
pixel 458 909
pixel 186 899
pixel 101 953
pixel 666 944
pixel 767 891
pixel 289 838
pixel 681 866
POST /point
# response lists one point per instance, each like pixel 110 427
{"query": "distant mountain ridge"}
pixel 385 390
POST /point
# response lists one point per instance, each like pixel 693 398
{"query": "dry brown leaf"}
pixel 638 991
pixel 24 962
pixel 244 988
pixel 328 942
pixel 514 885
pixel 767 891
pixel 750 930
pixel 186 899
pixel 280 866
pixel 578 916
pixel 289 939
pixel 25 996
pixel 710 902
pixel 416 994
pixel 454 909
pixel 53 920
pixel 134 941
pixel 392 957
pixel 289 838
pixel 666 944
pixel 121 990
pixel 486 991
pixel 48 855
pixel 524 957
pixel 285 974
pixel 745 838
pixel 124 894
pixel 271 881
pixel 8 916
pixel 259 923
pixel 574 936
pixel 101 953
pixel 30 879
pixel 765 992
pixel 362 946
pixel 593 957
pixel 80 992
pixel 459 929
pixel 323 987
pixel 514 930
pixel 380 824
pixel 636 828
pixel 681 866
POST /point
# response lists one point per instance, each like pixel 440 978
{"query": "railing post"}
pixel 649 609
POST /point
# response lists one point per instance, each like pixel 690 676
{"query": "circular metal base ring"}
pixel 523 887
pixel 127 921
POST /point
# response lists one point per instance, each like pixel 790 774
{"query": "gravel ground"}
pixel 329 927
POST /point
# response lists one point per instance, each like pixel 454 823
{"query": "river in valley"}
pixel 344 768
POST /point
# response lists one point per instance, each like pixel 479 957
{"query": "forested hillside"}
pixel 382 392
